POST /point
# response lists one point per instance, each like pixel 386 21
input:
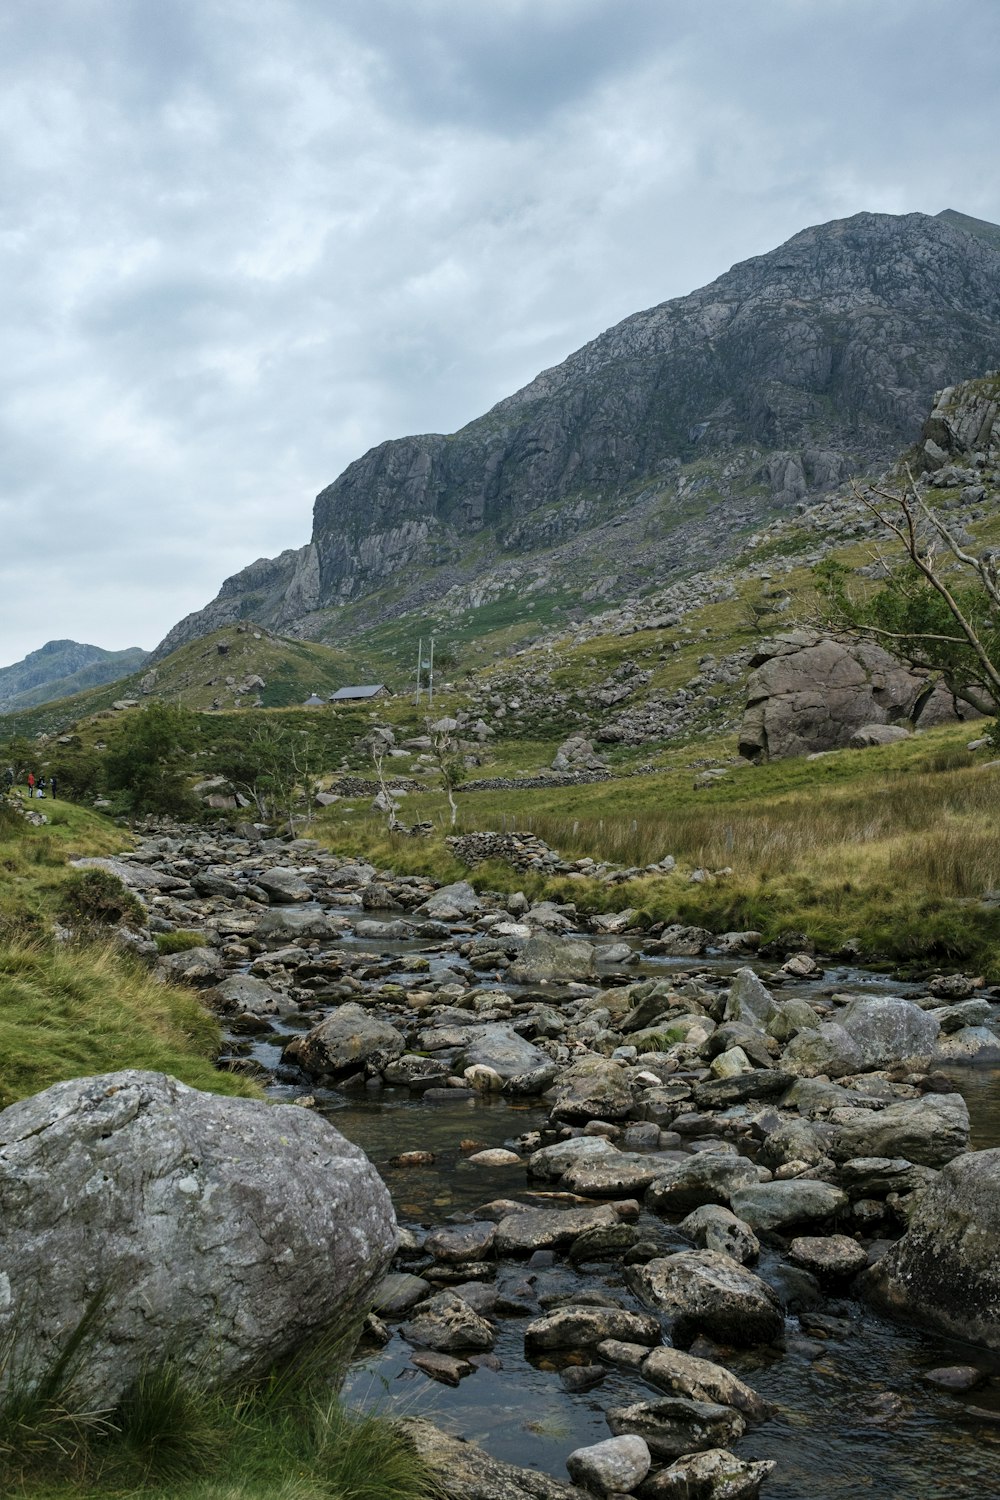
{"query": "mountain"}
pixel 652 451
pixel 241 666
pixel 61 668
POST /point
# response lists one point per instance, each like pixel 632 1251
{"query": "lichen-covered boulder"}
pixel 349 1037
pixel 945 1270
pixel 221 1233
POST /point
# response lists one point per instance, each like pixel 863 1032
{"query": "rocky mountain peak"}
pixel 661 441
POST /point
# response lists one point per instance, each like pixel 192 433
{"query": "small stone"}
pixel 615 1466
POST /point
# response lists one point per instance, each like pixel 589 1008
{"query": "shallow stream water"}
pixel 856 1419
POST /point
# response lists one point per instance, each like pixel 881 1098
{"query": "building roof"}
pixel 313 702
pixel 371 691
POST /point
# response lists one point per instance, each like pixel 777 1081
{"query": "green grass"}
pixel 894 846
pixel 286 1437
pixel 68 1011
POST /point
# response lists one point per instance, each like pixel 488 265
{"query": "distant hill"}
pixel 61 668
pixel 242 666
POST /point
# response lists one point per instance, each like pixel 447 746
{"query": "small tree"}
pixel 938 609
pixel 268 765
pixel 448 759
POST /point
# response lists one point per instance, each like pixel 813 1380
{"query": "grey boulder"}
pixel 945 1270
pixel 701 1291
pixel 888 1029
pixel 615 1466
pixel 349 1038
pixel 221 1233
pixel 928 1131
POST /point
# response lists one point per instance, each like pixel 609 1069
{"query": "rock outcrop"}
pixel 808 693
pixel 167 1223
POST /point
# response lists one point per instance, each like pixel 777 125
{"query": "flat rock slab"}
pixel 580 1327
pixel 546 1228
pixel 681 1374
pixel 830 1257
pixel 464 1472
pixel 446 1322
pixel 713 1475
pixel 773 1205
pixel 701 1178
pixel 223 1233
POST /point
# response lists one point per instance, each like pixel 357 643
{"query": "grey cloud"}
pixel 244 240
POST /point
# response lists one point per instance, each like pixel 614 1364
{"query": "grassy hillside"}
pixel 68 1010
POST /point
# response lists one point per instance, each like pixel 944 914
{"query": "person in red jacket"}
pixel 31 783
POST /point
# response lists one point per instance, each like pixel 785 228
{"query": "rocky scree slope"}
pixel 777 381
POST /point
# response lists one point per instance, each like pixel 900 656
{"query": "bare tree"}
pixel 939 608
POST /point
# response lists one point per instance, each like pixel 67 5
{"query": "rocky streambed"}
pixel 730 1213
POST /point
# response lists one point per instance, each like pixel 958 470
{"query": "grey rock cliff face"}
pixel 219 1233
pixel 803 364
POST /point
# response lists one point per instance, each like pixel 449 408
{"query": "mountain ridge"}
pixel 668 435
pixel 60 669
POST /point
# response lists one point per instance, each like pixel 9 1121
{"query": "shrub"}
pixel 98 898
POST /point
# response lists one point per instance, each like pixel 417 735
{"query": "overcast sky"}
pixel 243 241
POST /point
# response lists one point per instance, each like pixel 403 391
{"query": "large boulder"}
pixel 945 1270
pixel 168 1223
pixel 889 1029
pixel 595 1088
pixel 519 1065
pixel 350 1037
pixel 545 959
pixel 809 693
pixel 701 1291
pixel 929 1131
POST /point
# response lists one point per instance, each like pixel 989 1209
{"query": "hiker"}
pixel 31 783
pixel 40 787
pixel 8 777
pixel 52 787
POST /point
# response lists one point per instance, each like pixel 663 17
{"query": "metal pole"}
pixel 430 688
pixel 420 659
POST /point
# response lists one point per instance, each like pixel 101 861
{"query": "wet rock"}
pixel 683 1374
pixel 577 1327
pixel 544 959
pixel 701 1291
pixel 545 1228
pixel 196 966
pixel 280 923
pixel 615 1466
pixel 929 1131
pixel 495 1156
pixel 450 903
pixel 827 1049
pixel 713 1227
pixel 223 1232
pixel 945 1270
pixel 416 1072
pixel 699 1179
pixel 761 1083
pixel 245 995
pixel 830 1257
pixel 521 1067
pixel 550 1162
pixel 350 1037
pixel 675 1425
pixel 579 1378
pixel 447 1322
pixel 877 1176
pixel 888 1029
pixel 463 1471
pixel 445 1368
pixel 461 1242
pixel 397 1292
pixel 595 1088
pixel 749 1000
pixel 609 1243
pixel 284 886
pixel 713 1475
pixel 615 1175
pixel 956 1377
pixel 971 1044
pixel 775 1205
